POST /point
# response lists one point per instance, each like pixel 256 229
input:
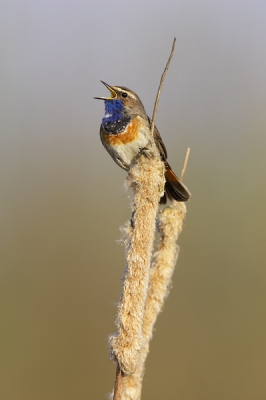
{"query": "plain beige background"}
pixel 62 197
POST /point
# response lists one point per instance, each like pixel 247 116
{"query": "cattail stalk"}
pixel 146 178
pixel 170 224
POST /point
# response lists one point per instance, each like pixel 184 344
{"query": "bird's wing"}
pixel 159 142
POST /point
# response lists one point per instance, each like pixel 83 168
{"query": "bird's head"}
pixel 122 100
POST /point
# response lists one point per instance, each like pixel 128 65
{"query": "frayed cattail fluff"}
pixel 146 178
pixel 170 225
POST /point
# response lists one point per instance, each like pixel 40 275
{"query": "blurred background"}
pixel 63 200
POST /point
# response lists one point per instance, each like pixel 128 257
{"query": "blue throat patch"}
pixel 113 111
pixel 115 120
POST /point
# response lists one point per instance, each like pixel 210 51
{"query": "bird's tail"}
pixel 174 189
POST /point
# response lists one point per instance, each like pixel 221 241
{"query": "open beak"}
pixel 112 91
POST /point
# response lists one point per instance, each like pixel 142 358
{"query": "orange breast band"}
pixel 129 135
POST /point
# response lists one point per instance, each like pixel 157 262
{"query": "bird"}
pixel 125 132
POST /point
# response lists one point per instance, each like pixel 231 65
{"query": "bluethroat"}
pixel 126 131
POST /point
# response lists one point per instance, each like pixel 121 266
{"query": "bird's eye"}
pixel 124 94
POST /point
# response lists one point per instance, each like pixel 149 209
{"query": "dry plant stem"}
pixel 185 164
pixel 118 384
pixel 170 226
pixel 146 178
pixel 160 87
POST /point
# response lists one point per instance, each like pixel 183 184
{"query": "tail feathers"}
pixel 177 191
pixel 174 189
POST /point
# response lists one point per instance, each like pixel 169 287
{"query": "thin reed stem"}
pixel 185 164
pixel 118 384
pixel 160 87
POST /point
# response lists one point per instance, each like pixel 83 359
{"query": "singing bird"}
pixel 126 131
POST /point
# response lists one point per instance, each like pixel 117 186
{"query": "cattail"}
pixel 146 178
pixel 170 226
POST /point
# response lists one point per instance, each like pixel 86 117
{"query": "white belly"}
pixel 127 152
